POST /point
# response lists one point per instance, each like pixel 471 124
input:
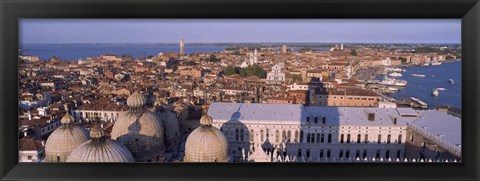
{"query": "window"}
pixel 399 139
pixel 308 138
pixel 237 135
pixel 322 139
pixel 411 137
pixel 261 135
pixel 318 137
pixel 58 158
pixel 296 136
pixel 308 153
pixel 329 138
pixel 379 138
pixel 29 157
pixel 371 116
pixel 398 154
pixel 341 138
pixel 358 138
pixel 299 153
pixel 366 138
pixel 388 138
pixel 284 135
pixel 348 138
pixel 321 153
pixel 328 153
pixel 277 135
pixel 378 154
pixel 316 120
pixel 289 134
pixel 324 120
pixel 252 134
pixel 308 119
pixel 241 135
pixel 301 136
pixel 387 154
pixel 341 154
pixel 364 154
pixel 357 154
pixel 347 154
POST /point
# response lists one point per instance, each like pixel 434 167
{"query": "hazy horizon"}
pixel 348 31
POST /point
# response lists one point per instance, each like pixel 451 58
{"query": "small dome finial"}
pixel 67 119
pixel 206 119
pixel 97 133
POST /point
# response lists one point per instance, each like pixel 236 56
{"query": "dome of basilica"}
pixel 64 140
pixel 206 143
pixel 170 126
pixel 136 100
pixel 100 149
pixel 140 131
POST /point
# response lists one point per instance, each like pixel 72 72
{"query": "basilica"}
pixel 138 135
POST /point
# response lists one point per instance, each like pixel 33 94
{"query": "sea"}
pixel 436 76
pixel 69 52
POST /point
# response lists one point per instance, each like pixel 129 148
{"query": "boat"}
pixel 420 103
pixel 395 74
pixel 451 81
pixel 392 81
pixel 395 70
pixel 436 63
pixel 417 75
pixel 392 88
pixel 426 64
pixel 435 92
pixel 442 89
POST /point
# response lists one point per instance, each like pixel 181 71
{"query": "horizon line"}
pixel 242 42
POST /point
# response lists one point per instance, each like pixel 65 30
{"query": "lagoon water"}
pixel 436 77
pixel 78 51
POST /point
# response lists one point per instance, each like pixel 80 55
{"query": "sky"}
pixel 240 30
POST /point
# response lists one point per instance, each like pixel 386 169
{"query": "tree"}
pixel 354 52
pixel 213 58
pixel 230 70
pixel 248 71
pixel 297 78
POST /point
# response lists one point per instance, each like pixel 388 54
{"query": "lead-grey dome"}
pixel 206 143
pixel 64 140
pixel 100 149
pixel 170 126
pixel 140 131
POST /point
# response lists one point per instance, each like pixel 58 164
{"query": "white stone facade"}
pixel 315 132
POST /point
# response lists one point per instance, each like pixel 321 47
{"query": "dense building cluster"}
pixel 264 104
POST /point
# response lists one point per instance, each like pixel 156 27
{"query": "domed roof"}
pixel 100 149
pixel 170 126
pixel 64 140
pixel 140 131
pixel 206 143
pixel 67 119
pixel 136 100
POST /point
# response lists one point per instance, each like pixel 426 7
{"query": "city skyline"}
pixel 245 31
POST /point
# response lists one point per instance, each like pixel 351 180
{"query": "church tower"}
pixel 182 45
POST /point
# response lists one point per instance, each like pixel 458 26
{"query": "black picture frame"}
pixel 467 10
